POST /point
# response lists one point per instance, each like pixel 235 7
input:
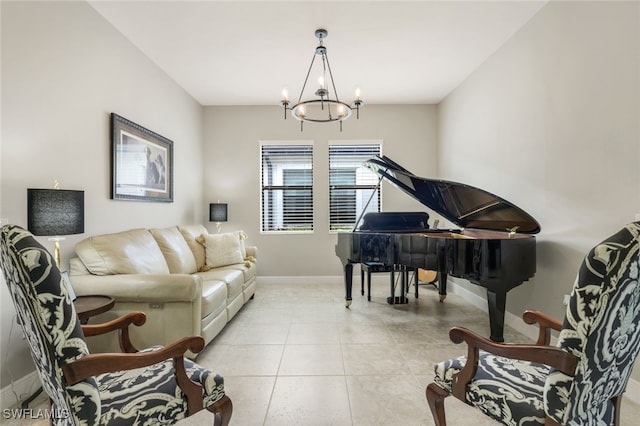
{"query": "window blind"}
pixel 351 184
pixel 287 188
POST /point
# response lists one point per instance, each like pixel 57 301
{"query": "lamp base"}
pixel 56 249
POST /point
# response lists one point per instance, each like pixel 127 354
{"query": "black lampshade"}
pixel 218 212
pixel 55 211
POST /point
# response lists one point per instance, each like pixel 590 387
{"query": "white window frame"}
pixel 361 199
pixel 282 230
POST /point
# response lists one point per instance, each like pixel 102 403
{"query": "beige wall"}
pixel 64 70
pixel 232 165
pixel 551 122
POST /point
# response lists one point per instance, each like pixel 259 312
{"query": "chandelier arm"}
pixel 331 77
pixel 306 78
pixel 324 71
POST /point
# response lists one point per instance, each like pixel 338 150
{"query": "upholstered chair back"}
pixel 50 324
pixel 602 328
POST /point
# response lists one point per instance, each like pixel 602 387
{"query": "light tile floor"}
pixel 296 356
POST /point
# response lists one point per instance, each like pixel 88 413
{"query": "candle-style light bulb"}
pixel 321 82
pixel 358 102
pixel 285 101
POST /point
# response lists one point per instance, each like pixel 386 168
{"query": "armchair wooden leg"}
pixel 222 411
pixel 435 397
pixel 617 404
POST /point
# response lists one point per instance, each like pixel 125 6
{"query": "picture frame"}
pixel 141 163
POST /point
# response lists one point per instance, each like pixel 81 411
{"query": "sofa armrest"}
pixel 147 288
pixel 251 251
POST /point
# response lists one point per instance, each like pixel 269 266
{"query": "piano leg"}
pixel 348 283
pixel 441 251
pixel 497 301
pixel 442 286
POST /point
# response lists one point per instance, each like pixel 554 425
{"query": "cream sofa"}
pixel 165 274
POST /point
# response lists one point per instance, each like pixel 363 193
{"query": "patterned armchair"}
pixel 579 382
pixel 154 386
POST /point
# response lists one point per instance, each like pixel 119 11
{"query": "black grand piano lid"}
pixel 463 205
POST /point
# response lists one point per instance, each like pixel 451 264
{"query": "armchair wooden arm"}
pixel 94 364
pixel 548 355
pixel 545 323
pixel 121 325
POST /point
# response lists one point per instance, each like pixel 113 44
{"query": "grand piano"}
pixel 494 246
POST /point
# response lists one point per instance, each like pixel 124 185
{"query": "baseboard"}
pixel 330 279
pixel 23 387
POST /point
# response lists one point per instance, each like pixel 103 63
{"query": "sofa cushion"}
pixel 190 233
pixel 214 297
pixel 233 278
pixel 175 249
pixel 248 269
pixel 129 252
pixel 223 249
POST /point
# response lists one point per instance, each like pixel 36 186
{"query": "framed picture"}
pixel 141 163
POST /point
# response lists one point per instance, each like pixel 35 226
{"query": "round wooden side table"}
pixel 90 306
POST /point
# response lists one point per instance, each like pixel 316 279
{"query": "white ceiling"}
pixel 245 53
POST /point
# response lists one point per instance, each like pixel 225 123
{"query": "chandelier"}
pixel 323 108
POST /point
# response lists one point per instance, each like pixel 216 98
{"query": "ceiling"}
pixel 245 53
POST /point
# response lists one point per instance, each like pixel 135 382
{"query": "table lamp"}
pixel 55 212
pixel 218 214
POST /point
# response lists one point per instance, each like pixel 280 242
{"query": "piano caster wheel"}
pixel 347 304
pixel 442 297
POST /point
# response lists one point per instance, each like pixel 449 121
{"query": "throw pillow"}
pixel 223 249
pixel 242 236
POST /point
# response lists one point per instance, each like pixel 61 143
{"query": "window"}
pixel 287 187
pixel 351 185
